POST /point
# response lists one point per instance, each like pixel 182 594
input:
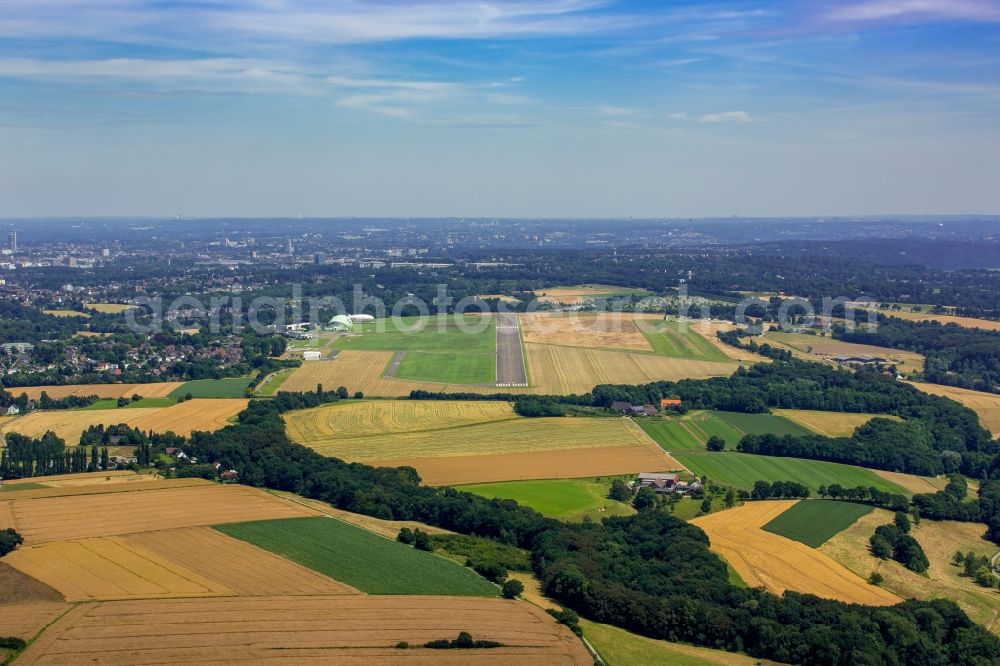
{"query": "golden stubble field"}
pixel 593 330
pixel 964 322
pixel 182 419
pixel 351 630
pixel 158 390
pixel 767 560
pixel 81 516
pixel 940 540
pixel 830 424
pixel 986 405
pixel 365 419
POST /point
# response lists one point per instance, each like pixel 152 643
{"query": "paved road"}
pixel 394 366
pixel 510 357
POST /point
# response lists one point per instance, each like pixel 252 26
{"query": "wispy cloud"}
pixel 614 111
pixel 727 117
pixel 876 10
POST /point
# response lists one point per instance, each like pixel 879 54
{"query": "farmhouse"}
pixel 13 410
pixel 311 355
pixel 659 483
pixel 621 407
pixel 670 402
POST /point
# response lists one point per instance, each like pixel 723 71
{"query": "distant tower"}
pixel 12 241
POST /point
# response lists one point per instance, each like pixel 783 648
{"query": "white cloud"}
pixel 875 10
pixel 677 115
pixel 402 84
pixel 726 117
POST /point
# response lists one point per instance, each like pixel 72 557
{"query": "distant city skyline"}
pixel 554 108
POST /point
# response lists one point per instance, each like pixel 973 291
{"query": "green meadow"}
pixel 567 499
pixel 814 522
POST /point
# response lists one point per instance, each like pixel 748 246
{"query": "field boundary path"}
pixel 397 358
pixel 511 371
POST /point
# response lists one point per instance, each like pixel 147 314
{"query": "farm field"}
pixel 678 339
pixel 110 308
pixel 940 540
pixel 825 347
pixel 25 619
pixel 531 465
pixel 109 403
pixel 366 561
pixel 158 390
pixel 829 424
pixel 986 405
pixel 814 522
pixel 913 483
pixel 68 489
pixel 964 322
pixel 503 435
pixel 691 431
pixel 561 370
pixel 233 387
pixel 617 646
pixel 363 371
pixel 82 516
pixel 767 560
pixel 439 352
pixel 743 469
pixel 383 417
pixel 181 418
pixel 349 630
pixel 609 330
pixel 575 295
pixel 709 330
pixel 274 381
pixel 566 499
pixel 66 313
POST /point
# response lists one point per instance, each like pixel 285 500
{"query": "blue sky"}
pixel 545 108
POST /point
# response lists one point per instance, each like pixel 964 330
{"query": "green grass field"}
pixel 617 646
pixel 232 387
pixel 273 385
pixel 814 522
pixel 677 340
pixel 364 560
pixel 27 485
pixel 743 469
pixel 762 424
pixel 440 352
pixel 111 403
pixel 450 367
pixel 691 431
pixel 568 499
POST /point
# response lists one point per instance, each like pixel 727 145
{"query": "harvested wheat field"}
pixel 551 464
pixel 830 424
pixel 157 390
pixel 767 560
pixel 241 568
pixel 387 528
pixel 380 417
pixel 110 514
pixel 182 418
pixel 964 322
pixel 351 630
pixel 578 294
pixel 986 405
pixel 112 487
pixel 70 424
pixel 186 562
pixel 363 370
pixel 66 313
pixel 710 329
pixel 605 329
pixel 516 435
pixel 201 414
pixel 562 370
pixel 110 308
pixel 940 540
pixel 912 482
pixel 24 620
pixel 112 476
pixel 109 568
pixel 7 515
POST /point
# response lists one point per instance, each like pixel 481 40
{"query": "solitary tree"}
pixel 645 498
pixel 342 392
pixel 715 443
pixel 512 589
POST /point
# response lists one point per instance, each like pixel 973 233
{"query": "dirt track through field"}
pixel 510 370
pixel 350 630
pixel 110 514
pixel 767 560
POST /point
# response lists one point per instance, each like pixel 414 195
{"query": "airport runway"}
pixel 510 356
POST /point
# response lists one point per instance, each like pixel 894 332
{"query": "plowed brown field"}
pixel 349 630
pixel 110 514
pixel 74 490
pixel 763 559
